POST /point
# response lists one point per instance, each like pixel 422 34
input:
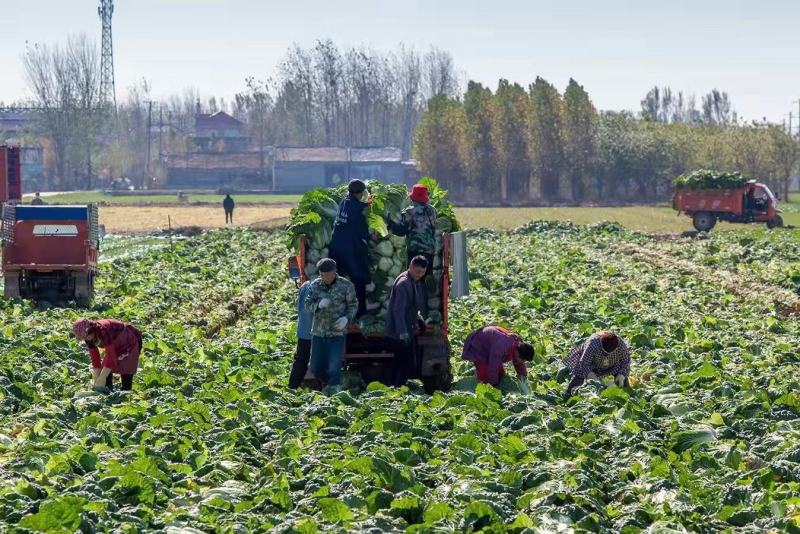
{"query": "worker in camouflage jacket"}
pixel 417 223
pixel 601 354
pixel 332 301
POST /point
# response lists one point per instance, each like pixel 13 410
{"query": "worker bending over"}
pixel 332 301
pixel 490 347
pixel 601 354
pixel 408 307
pixel 417 223
pixel 122 344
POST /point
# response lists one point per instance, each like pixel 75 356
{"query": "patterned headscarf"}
pixel 81 328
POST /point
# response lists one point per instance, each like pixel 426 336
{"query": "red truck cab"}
pixel 50 252
pixel 753 202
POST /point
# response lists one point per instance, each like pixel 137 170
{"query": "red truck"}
pixel 753 202
pixel 48 252
pixel 370 355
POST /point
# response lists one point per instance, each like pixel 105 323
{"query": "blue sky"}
pixel 617 49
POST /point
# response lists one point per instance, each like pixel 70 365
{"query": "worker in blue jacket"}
pixel 348 247
pixel 302 353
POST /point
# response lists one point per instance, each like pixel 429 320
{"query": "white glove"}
pixel 341 323
pixel 620 380
pixel 523 386
pixel 324 303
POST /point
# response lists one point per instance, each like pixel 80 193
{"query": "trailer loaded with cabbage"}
pixel 367 351
pixel 711 196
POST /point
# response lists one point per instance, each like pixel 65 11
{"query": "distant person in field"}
pixel 349 242
pixel 408 306
pixel 332 301
pixel 490 347
pixel 37 200
pixel 122 344
pixel 302 353
pixel 601 354
pixel 228 205
pixel 417 223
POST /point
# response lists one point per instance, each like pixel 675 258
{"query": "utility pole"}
pixel 160 132
pixel 147 148
pixel 798 118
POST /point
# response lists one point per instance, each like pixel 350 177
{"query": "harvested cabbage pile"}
pixel 706 179
pixel 314 217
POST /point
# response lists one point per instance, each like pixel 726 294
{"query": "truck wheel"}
pixel 775 222
pixel 704 221
pixel 84 289
pixel 11 286
pixel 438 382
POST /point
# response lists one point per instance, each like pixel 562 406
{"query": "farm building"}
pixel 302 168
pixel 198 170
pixel 14 121
pixel 219 132
pixel 288 169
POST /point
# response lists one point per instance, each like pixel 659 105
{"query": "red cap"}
pixel 419 193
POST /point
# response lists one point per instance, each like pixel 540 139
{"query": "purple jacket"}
pixel 492 345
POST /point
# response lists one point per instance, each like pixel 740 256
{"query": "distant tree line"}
pixel 86 139
pixel 534 144
pixel 513 143
pixel 326 95
pixel 322 95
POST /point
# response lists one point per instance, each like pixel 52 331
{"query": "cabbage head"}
pixel 385 249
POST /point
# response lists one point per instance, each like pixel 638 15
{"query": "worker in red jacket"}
pixel 488 348
pixel 122 344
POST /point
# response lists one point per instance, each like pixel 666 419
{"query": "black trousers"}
pixel 127 382
pixel 404 364
pixel 300 363
pixel 229 217
pixel 361 295
pixel 352 266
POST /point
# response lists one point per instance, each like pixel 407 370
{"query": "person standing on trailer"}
pixel 351 235
pixel 417 223
pixel 122 344
pixel 408 306
pixel 228 204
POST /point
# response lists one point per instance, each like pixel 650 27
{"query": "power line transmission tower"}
pixel 108 94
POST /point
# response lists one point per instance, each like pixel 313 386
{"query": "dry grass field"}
pixel 147 219
pixel 650 219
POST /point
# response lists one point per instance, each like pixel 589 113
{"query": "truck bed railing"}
pixel 9 216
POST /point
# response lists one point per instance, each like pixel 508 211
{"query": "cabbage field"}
pixel 210 440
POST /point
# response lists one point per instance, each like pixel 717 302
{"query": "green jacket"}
pixel 342 294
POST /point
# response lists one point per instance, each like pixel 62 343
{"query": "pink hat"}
pixel 81 328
